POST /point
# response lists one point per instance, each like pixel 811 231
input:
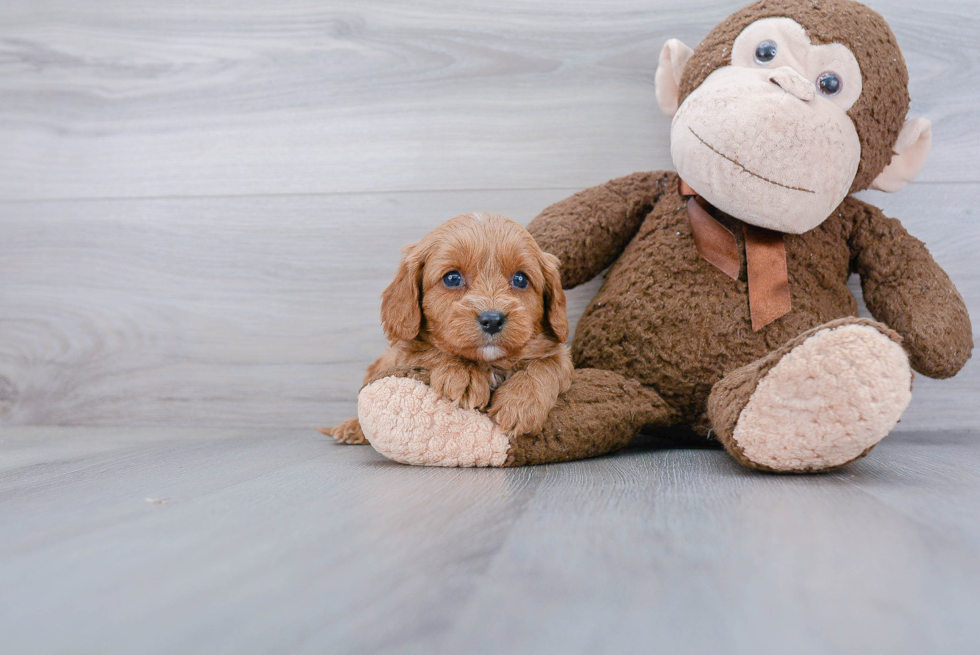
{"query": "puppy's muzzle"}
pixel 491 322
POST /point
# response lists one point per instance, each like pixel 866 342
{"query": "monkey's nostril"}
pixel 782 85
pixel 793 83
pixel 491 322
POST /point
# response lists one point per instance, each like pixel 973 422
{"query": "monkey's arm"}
pixel 589 230
pixel 907 290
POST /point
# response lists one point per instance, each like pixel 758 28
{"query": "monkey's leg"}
pixel 600 413
pixel 408 422
pixel 822 400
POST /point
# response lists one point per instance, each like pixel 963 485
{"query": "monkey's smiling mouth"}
pixel 764 179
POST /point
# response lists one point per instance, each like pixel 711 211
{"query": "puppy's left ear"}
pixel 401 302
pixel 555 307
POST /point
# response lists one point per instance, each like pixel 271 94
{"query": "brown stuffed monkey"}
pixel 725 306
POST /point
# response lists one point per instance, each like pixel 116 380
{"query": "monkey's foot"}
pixel 408 422
pixel 821 401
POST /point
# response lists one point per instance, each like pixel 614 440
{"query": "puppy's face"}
pixel 483 287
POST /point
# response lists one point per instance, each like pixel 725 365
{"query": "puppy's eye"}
pixel 519 280
pixel 765 53
pixel 452 279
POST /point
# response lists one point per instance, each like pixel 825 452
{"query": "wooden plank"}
pixel 126 99
pixel 260 529
pixel 264 311
pixel 692 553
pixel 278 541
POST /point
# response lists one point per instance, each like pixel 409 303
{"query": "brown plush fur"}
pixel 600 413
pixel 879 113
pixel 515 374
pixel 670 320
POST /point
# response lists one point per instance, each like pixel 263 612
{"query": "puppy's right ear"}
pixel 401 302
pixel 555 305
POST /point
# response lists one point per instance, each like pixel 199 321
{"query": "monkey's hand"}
pixel 905 289
pixel 466 386
pixel 589 230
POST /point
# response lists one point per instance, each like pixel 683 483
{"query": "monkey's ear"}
pixel 673 59
pixel 401 310
pixel 911 151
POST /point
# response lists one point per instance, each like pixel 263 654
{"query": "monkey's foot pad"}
pixel 408 422
pixel 827 402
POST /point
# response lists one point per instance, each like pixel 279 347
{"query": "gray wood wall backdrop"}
pixel 201 201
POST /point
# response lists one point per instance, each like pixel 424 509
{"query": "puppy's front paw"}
pixel 518 410
pixel 468 388
pixel 348 432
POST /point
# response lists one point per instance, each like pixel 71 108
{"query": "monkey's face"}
pixel 767 139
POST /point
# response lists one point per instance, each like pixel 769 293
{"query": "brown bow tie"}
pixel 765 258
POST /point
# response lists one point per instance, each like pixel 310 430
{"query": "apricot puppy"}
pixel 479 305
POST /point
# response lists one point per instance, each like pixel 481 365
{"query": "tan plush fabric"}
pixel 819 402
pixel 408 422
pixel 827 402
pixel 879 113
pixel 759 142
pixel 911 151
pixel 673 58
pixel 727 157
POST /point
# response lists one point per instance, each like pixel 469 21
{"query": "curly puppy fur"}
pixel 514 374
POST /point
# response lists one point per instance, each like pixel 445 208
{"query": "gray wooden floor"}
pixel 200 203
pixel 263 541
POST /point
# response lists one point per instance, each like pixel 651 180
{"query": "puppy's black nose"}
pixel 491 322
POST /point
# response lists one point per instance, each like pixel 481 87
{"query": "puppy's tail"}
pixel 348 432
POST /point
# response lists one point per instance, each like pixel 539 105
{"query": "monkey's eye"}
pixel 519 280
pixel 765 53
pixel 829 83
pixel 452 279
